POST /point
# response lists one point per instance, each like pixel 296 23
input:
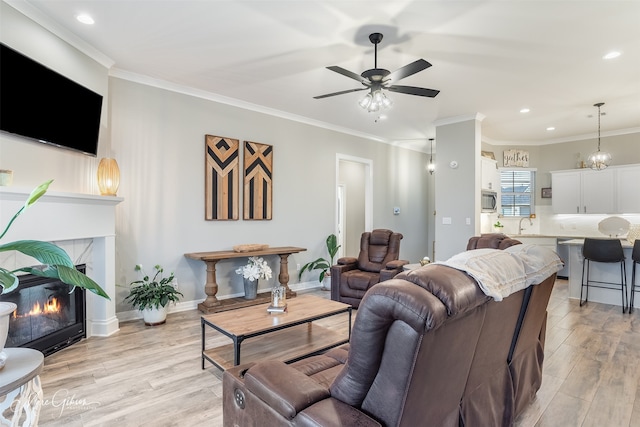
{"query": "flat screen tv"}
pixel 42 105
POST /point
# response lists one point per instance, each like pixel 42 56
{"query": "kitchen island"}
pixel 599 271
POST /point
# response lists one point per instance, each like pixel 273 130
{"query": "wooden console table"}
pixel 212 304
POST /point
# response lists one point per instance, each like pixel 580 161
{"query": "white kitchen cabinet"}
pixel 584 191
pixel 628 189
pixel 490 174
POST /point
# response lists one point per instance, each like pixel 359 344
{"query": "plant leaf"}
pixel 71 276
pixel 37 193
pixel 45 252
pixel 68 275
pixel 9 280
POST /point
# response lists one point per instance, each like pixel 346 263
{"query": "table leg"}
pixel 283 277
pixel 210 288
pixel 236 350
pixel 202 351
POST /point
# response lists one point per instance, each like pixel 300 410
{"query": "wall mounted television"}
pixel 39 104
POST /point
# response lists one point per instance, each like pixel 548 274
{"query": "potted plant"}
pixel 56 264
pixel 323 264
pixel 256 268
pixel 152 295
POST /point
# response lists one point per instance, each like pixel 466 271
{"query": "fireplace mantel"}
pixel 64 217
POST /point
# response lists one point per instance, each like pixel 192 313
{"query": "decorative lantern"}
pixel 108 176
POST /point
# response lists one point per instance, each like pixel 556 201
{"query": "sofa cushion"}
pixel 360 280
pixel 287 391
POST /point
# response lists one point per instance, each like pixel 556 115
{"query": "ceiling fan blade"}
pixel 349 74
pixel 408 70
pixel 340 93
pixel 411 90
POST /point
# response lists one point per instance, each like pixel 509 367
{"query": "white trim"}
pixel 125 316
pixel 162 84
pixel 459 119
pixel 566 139
pixel 49 24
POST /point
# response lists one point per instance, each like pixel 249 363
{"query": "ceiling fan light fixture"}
pixel 366 101
pixel 600 159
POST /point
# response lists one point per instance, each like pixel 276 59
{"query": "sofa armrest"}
pixel 283 388
pixel 347 260
pixel 396 264
pixel 332 412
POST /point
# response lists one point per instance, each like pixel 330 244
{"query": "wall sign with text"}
pixel 518 158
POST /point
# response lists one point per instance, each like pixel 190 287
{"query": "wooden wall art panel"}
pixel 258 191
pixel 222 178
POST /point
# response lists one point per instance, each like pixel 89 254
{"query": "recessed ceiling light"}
pixel 612 54
pixel 524 110
pixel 551 128
pixel 85 19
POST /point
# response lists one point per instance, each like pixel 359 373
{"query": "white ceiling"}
pixel 488 57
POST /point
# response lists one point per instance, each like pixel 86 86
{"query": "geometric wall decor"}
pixel 258 191
pixel 222 178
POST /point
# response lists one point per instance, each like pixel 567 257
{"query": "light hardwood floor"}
pixel 144 376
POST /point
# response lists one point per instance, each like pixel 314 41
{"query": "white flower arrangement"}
pixel 255 269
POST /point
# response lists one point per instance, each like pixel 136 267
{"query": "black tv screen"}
pixel 40 104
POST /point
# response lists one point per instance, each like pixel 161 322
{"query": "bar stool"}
pixel 605 251
pixel 635 256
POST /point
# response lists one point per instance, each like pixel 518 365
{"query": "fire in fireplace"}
pixel 49 317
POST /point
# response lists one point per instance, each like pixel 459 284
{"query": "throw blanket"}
pixel 500 273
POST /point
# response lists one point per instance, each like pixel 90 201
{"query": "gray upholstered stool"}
pixel 606 251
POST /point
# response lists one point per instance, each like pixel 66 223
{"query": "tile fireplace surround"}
pixel 81 224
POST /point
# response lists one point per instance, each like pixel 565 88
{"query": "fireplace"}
pixel 49 317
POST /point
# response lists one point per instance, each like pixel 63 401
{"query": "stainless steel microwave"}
pixel 489 201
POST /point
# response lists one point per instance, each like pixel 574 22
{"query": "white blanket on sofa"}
pixel 500 273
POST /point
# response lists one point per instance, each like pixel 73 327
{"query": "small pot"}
pixel 6 308
pixel 154 316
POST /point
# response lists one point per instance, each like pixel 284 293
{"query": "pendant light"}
pixel 600 159
pixel 431 166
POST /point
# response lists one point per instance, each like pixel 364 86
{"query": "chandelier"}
pixel 600 159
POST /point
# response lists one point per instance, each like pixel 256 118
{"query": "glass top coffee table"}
pixel 288 336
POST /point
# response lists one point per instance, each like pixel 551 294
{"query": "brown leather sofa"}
pixel 427 348
pixel 492 241
pixel 377 261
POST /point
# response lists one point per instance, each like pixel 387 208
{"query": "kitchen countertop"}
pixel 580 242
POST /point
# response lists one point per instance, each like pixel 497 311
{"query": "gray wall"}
pixel 624 149
pixel 158 139
pixel 457 190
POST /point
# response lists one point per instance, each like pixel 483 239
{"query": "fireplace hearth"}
pixel 49 317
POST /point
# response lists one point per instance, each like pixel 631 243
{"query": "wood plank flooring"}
pixel 151 376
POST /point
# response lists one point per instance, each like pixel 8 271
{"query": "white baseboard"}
pixel 124 316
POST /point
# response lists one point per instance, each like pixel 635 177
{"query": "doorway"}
pixel 354 202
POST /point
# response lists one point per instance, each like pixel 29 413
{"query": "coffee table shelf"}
pixel 286 336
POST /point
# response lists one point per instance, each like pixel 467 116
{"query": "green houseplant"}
pixel 323 264
pixel 55 264
pixel 151 295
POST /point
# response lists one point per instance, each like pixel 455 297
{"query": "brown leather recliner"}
pixel 427 348
pixel 378 261
pixel 491 241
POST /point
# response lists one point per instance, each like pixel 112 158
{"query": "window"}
pixel 518 191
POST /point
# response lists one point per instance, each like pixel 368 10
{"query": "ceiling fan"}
pixel 378 79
